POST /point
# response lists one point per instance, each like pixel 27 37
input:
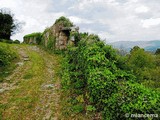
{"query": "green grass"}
pixel 8 58
pixel 22 100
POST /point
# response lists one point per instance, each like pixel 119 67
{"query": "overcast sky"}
pixel 113 20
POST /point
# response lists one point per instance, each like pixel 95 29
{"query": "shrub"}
pixel 95 78
pixel 93 73
pixel 35 36
pixel 6 55
pixel 64 21
pixel 131 98
pixel 16 42
pixel 6 41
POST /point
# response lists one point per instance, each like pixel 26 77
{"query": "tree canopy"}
pixel 8 25
pixel 157 51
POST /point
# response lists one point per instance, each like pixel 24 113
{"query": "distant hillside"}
pixel 127 45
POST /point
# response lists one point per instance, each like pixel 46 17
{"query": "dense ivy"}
pixel 51 43
pixel 64 21
pixel 93 73
pixel 131 98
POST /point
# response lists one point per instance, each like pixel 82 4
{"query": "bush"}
pixel 6 55
pixel 64 21
pixel 36 38
pixel 51 43
pixel 16 42
pixel 131 98
pixel 6 41
pixel 95 78
pixel 92 72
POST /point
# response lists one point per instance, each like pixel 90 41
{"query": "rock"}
pixel 5 85
pixel 20 63
pixel 2 90
pixel 34 48
pixel 25 56
pixel 47 116
pixel 49 86
pixel 26 59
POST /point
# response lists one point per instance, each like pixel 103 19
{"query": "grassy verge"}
pixel 19 103
pixel 8 57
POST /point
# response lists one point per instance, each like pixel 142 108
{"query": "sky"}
pixel 112 20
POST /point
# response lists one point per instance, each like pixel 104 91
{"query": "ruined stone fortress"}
pixel 61 34
pixel 57 36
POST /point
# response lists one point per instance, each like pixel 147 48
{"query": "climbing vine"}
pixel 97 84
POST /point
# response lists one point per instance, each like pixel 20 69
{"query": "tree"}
pixel 141 63
pixel 157 51
pixel 139 58
pixel 8 25
pixel 135 48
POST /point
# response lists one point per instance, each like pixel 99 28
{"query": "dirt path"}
pixel 32 91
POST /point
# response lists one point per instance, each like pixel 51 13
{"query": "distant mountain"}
pixel 127 45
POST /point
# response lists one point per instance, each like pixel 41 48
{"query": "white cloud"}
pixel 142 9
pixel 34 13
pixel 78 20
pixel 111 19
pixel 104 35
pixel 150 22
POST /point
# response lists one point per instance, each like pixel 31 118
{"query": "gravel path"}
pixel 46 106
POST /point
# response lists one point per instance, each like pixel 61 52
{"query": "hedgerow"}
pixel 37 36
pixel 97 83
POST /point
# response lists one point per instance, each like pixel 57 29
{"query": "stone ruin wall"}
pixel 30 40
pixel 61 36
pixel 55 32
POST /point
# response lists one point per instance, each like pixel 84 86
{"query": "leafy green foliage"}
pixel 51 43
pixel 76 36
pixel 91 72
pixel 16 42
pixel 10 41
pixel 141 62
pixel 64 21
pixel 131 98
pixel 8 25
pixel 6 41
pixel 35 36
pixel 28 76
pixel 91 108
pixel 77 108
pixel 145 67
pixel 157 51
pixel 141 59
pixel 95 75
pixel 99 80
pixel 6 55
